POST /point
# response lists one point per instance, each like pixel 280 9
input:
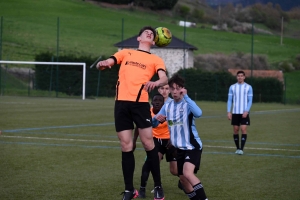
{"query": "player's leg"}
pixel 173 168
pixel 152 159
pixel 194 182
pixel 142 118
pixel 236 137
pixel 244 123
pixel 235 122
pixel 128 163
pixel 146 170
pixel 188 188
pixel 190 168
pixel 171 158
pixel 124 130
pixel 144 179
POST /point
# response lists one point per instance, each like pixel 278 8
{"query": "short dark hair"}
pixel 158 94
pixel 240 72
pixel 177 79
pixel 148 28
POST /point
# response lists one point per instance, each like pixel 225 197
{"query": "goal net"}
pixel 64 79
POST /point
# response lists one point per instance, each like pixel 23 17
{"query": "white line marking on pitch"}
pixel 267 149
pixel 62 139
pixel 110 141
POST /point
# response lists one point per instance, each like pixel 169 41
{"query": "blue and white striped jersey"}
pixel 241 95
pixel 181 122
pixel 168 100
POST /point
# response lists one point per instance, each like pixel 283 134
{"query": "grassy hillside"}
pixel 81 27
pixel 293 87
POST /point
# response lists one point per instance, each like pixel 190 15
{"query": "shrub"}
pixel 197 15
pixel 268 15
pixel 286 66
pixel 240 60
pixel 163 4
pixel 294 13
pixel 182 11
pixel 116 1
pixel 213 86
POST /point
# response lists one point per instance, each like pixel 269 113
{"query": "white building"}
pixel 177 55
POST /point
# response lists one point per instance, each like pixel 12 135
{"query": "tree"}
pixel 163 4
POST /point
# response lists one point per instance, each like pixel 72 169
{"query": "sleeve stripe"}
pixel 114 58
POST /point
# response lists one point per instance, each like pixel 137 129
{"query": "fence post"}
pixel 51 74
pixel 216 82
pixel 284 92
pixel 56 81
pixel 57 55
pixel 29 76
pixel 0 80
pixel 5 75
pixel 1 31
pixel 98 85
pixel 1 28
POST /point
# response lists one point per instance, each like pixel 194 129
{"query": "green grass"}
pixel 68 149
pixel 30 27
pixel 292 28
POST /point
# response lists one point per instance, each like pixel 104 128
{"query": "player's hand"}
pixel 161 118
pixel 183 91
pixel 229 116
pixel 245 114
pixel 150 85
pixel 103 65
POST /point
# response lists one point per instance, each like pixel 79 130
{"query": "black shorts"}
pixel 128 112
pixel 161 145
pixel 191 156
pixel 238 120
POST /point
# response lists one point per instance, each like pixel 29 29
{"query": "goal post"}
pixel 54 63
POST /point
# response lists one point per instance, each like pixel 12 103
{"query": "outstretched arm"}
pixel 105 64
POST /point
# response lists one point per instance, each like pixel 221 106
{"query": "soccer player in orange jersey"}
pixel 132 106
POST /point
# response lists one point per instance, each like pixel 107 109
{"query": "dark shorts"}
pixel 238 120
pixel 191 156
pixel 128 112
pixel 161 145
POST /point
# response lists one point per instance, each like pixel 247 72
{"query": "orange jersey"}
pixel 162 130
pixel 137 68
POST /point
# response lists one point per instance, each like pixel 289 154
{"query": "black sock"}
pixel 153 160
pixel 199 190
pixel 128 165
pixel 145 174
pixel 243 141
pixel 236 139
pixel 192 195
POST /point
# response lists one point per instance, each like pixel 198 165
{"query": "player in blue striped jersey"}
pixel 241 95
pixel 180 114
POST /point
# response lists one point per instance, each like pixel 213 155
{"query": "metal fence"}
pixel 56 81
